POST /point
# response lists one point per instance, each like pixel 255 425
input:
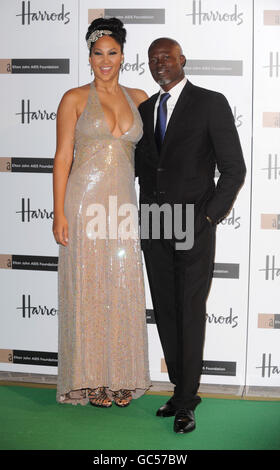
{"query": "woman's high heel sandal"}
pixel 98 397
pixel 122 397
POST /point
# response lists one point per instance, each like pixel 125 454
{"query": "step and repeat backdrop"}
pixel 231 47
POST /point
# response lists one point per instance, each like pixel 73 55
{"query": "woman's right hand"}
pixel 60 229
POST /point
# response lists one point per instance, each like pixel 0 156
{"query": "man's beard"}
pixel 164 81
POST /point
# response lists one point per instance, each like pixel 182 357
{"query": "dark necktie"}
pixel 161 119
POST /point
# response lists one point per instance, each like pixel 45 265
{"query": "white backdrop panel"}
pixel 263 361
pixel 220 45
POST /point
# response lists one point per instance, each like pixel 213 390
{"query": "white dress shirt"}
pixel 171 102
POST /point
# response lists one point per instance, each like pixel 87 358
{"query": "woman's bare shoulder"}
pixel 137 95
pixel 76 94
pixel 74 99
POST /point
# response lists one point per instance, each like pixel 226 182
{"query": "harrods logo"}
pixel 28 15
pixel 269 320
pixel 237 117
pixel 271 17
pixel 271 272
pixel 136 66
pixel 130 15
pixel 28 214
pixel 232 220
pixel 270 221
pixel 273 169
pixel 34 66
pixel 267 368
pixel 201 15
pixel 31 311
pixel 228 320
pixel 27 116
pixel 273 66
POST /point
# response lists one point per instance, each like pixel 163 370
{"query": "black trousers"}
pixel 179 284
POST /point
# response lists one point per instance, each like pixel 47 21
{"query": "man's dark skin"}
pixel 200 135
pixel 166 62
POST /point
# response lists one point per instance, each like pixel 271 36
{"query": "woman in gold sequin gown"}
pixel 102 333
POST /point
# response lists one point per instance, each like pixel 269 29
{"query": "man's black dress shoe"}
pixel 166 410
pixel 184 421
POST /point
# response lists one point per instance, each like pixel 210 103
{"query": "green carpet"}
pixel 31 419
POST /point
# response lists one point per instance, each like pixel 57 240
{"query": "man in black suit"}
pixel 187 133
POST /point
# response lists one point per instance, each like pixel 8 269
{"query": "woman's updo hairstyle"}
pixel 112 24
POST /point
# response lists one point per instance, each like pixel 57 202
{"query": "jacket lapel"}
pixel 149 118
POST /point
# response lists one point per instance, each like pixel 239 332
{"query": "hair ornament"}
pixel 96 35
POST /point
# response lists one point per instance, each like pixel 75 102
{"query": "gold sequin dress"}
pixel 102 332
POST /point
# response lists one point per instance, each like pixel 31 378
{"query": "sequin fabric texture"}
pixel 102 332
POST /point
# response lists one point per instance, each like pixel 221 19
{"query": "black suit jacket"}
pixel 200 135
